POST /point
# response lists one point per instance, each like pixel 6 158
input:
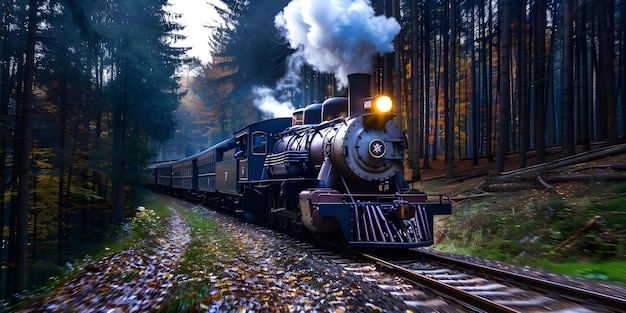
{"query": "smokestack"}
pixel 358 90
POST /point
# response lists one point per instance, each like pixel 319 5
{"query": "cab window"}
pixel 259 143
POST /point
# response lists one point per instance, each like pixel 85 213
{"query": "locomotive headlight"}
pixel 380 104
pixel 383 104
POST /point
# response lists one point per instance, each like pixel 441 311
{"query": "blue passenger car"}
pixel 163 176
pixel 207 161
pixel 185 176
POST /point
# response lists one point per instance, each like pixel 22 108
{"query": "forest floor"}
pixel 137 279
pixel 567 210
pixel 468 175
pixel 470 180
pixel 229 268
pixel 198 266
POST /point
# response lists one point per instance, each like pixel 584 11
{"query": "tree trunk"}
pixel 24 153
pixel 13 211
pixel 475 102
pixel 426 83
pixel 119 148
pixel 502 143
pixel 416 104
pixel 61 231
pixel 437 77
pixel 451 103
pixel 540 80
pixel 488 79
pixel 568 77
pixel 551 124
pixel 5 131
pixel 524 105
pixel 530 171
pixel 606 58
pixel 622 66
pixel 583 82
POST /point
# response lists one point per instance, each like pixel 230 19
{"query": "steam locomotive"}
pixel 334 167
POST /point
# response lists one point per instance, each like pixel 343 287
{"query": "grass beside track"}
pixel 609 271
pixel 206 251
pixel 576 229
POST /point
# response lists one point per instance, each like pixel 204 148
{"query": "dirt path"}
pixel 133 280
pixel 256 270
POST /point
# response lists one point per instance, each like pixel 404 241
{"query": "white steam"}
pixel 337 36
pixel 333 36
pixel 264 100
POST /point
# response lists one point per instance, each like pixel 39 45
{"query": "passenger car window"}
pixel 259 143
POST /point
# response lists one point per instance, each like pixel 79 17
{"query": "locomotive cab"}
pixel 242 147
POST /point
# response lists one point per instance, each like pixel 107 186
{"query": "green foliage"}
pixel 125 236
pixel 540 232
pixel 145 224
pixel 253 42
pixel 197 258
pixel 249 52
pixel 620 188
pixel 610 271
pixel 190 296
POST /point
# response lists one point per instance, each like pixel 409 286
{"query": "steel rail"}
pixel 476 302
pixel 570 292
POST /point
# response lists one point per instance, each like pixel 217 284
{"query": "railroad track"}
pixel 485 289
pixel 429 282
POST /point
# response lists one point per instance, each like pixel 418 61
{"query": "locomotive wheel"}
pixel 316 235
pixel 297 228
pixel 271 204
pixel 283 221
pixel 271 218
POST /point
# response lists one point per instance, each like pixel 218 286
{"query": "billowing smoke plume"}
pixel 337 36
pixel 264 100
pixel 333 36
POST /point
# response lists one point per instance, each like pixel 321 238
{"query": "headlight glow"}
pixel 383 104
